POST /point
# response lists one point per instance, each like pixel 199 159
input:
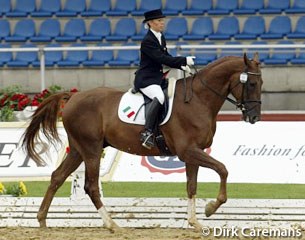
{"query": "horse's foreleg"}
pixel 69 165
pixel 198 157
pixel 191 175
pixel 92 189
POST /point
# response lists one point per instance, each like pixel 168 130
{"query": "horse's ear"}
pixel 256 57
pixel 246 60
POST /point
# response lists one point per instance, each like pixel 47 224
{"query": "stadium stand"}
pixel 5 30
pixel 298 6
pixel 99 29
pixel 24 59
pixel 198 7
pixel 97 8
pixel 254 27
pixel 100 57
pixel 5 7
pixel 223 7
pixel 249 7
pixel 280 26
pixel 176 28
pixel 24 30
pixel 281 55
pixel 49 30
pixel 202 27
pixel 299 31
pixel 124 29
pixel 275 7
pixel 263 53
pixel 122 8
pixel 73 30
pixel 22 8
pixel 206 56
pixel 227 28
pixel 174 7
pixel 126 57
pixel 51 58
pixel 74 58
pixel 146 5
pixel 72 8
pixel 140 34
pixel 5 57
pixel 47 8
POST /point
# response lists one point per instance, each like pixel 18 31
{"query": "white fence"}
pixel 155 212
pixel 245 47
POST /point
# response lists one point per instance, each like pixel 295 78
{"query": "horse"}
pixel 91 122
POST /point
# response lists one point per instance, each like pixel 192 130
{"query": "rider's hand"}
pixel 190 60
pixel 186 69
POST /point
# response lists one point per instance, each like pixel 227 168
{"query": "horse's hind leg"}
pixel 92 166
pixel 69 165
pixel 191 175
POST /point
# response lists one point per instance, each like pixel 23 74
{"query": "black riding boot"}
pixel 151 119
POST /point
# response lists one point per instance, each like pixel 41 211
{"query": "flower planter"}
pixel 24 115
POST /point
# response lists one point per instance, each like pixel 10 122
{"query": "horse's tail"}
pixel 45 117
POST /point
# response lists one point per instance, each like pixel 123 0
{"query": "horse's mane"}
pixel 218 62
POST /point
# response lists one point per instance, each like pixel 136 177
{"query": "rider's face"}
pixel 157 24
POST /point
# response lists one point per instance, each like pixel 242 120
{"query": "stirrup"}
pixel 147 139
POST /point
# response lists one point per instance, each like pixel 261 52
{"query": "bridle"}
pixel 239 105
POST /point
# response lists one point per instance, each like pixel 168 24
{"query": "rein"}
pixel 239 105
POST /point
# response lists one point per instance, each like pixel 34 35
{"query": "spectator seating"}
pixel 198 7
pixel 122 8
pixel 204 56
pixel 249 7
pixel 299 31
pixel 124 29
pixel 4 29
pixel 232 51
pixel 275 7
pixel 254 26
pixel 224 7
pixel 51 57
pixel 73 30
pixel 47 8
pixel 176 28
pixel 49 30
pixel 263 53
pixel 5 56
pixel 100 57
pixel 72 8
pixel 300 58
pixel 174 7
pixel 146 5
pixel 97 8
pixel 5 7
pixel 24 30
pixel 24 59
pixel 74 58
pixel 298 6
pixel 202 27
pixel 126 57
pixel 99 29
pixel 227 28
pixel 22 8
pixel 281 55
pixel 280 26
pixel 140 34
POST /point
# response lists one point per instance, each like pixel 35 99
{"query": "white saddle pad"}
pixel 132 110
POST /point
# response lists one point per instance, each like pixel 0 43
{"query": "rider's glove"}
pixel 190 60
pixel 186 69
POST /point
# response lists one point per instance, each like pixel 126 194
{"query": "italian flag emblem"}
pixel 128 112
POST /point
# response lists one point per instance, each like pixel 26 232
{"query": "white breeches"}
pixel 154 91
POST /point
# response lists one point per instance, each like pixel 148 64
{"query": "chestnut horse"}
pixel 91 121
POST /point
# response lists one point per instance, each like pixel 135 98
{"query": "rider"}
pixel 149 76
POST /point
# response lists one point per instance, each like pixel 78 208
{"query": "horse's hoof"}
pixel 210 208
pixel 195 224
pixel 42 224
pixel 115 229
